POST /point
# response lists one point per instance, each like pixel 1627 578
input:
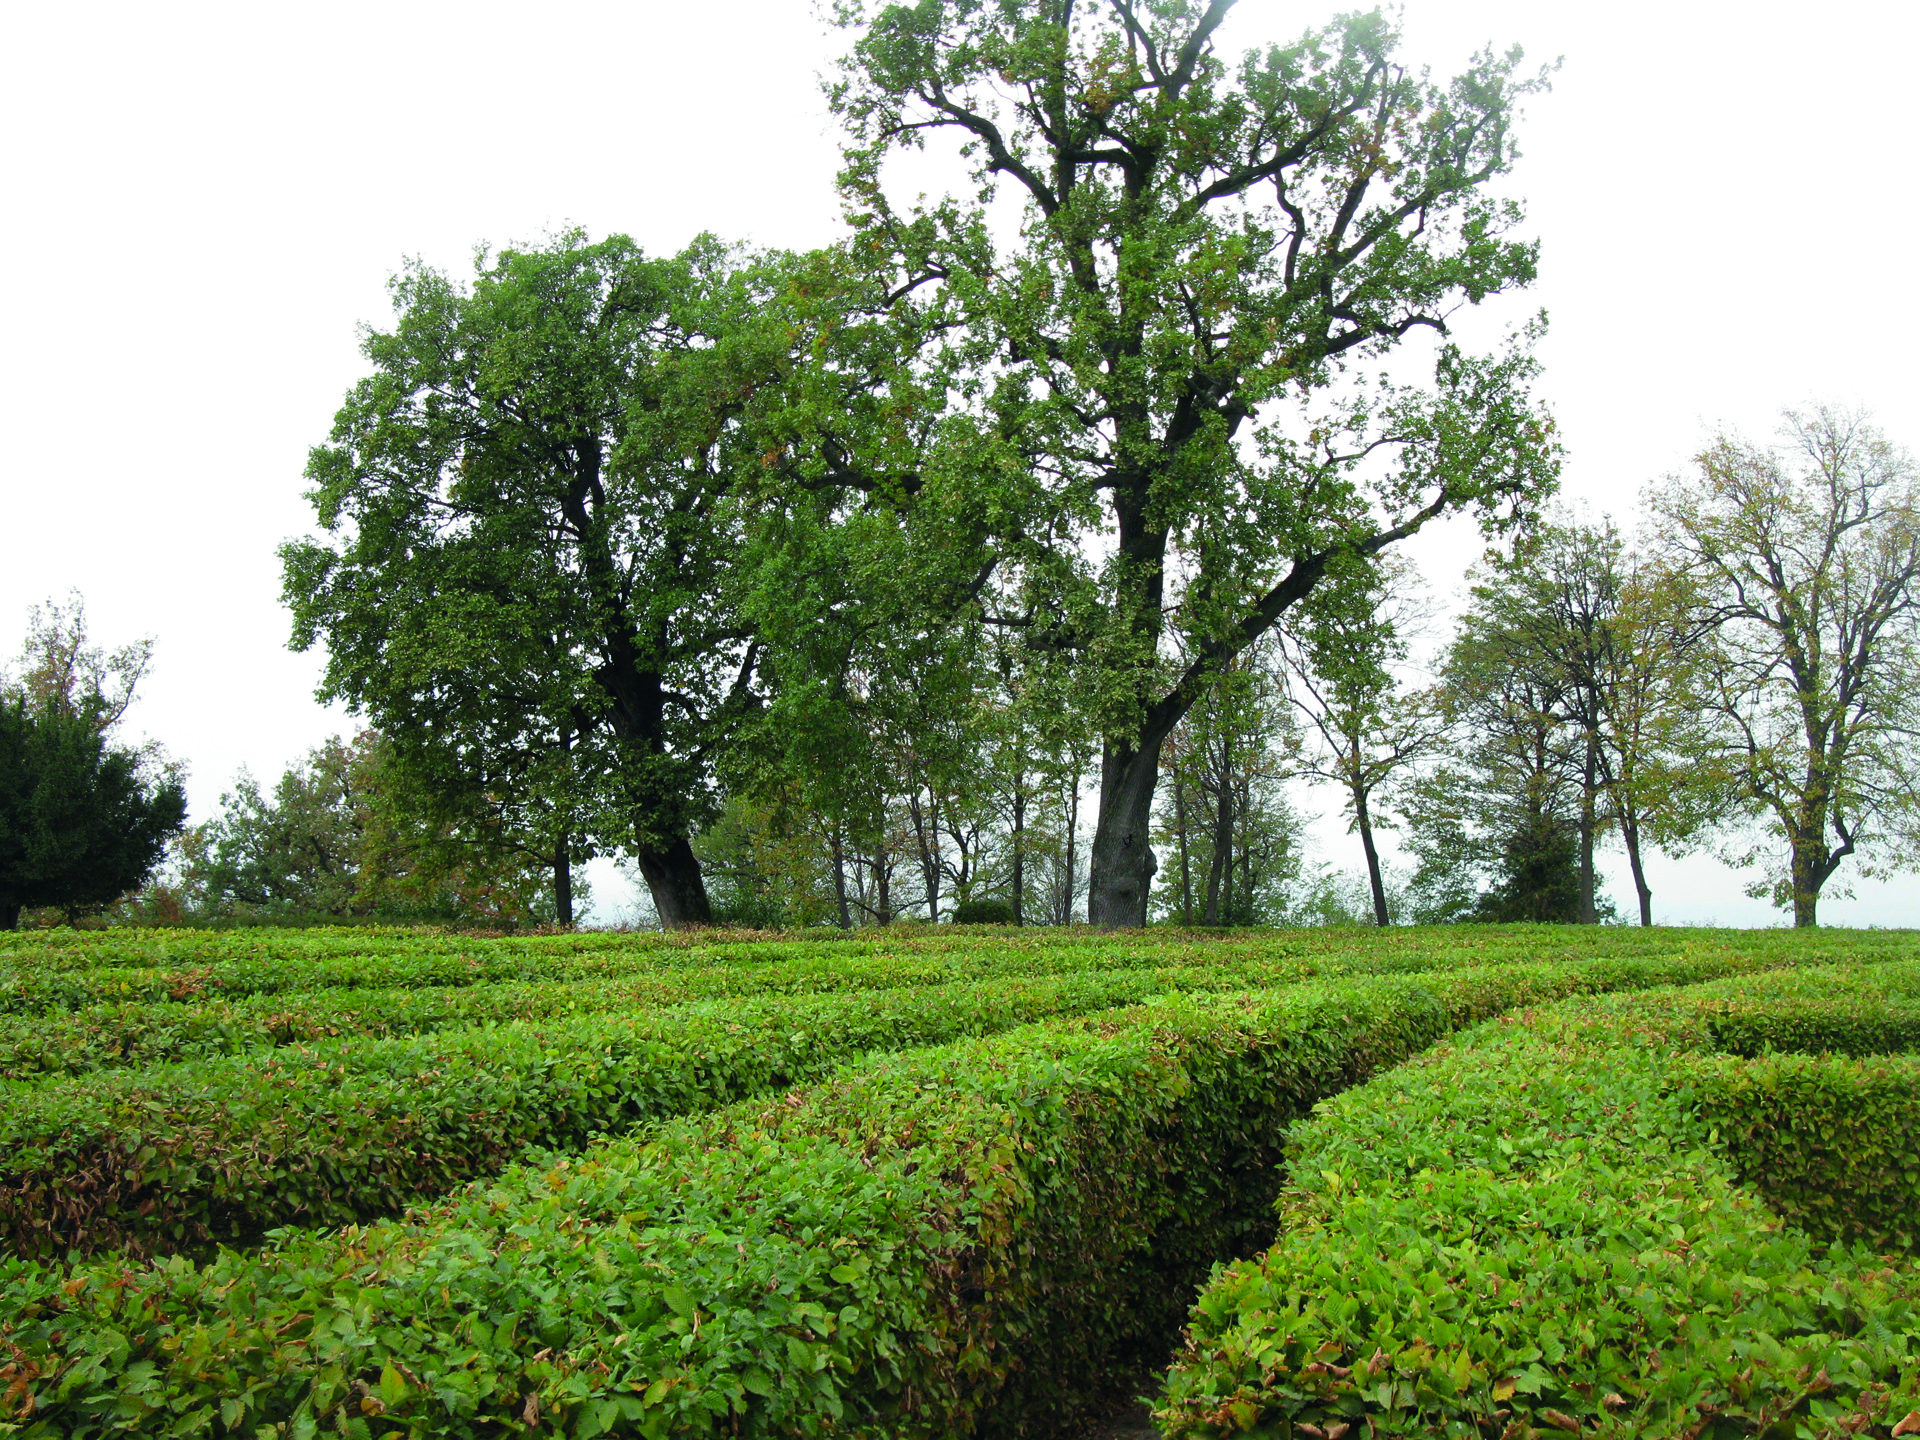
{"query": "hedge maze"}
pixel 951 1183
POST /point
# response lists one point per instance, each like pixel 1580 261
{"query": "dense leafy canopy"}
pixel 1153 406
pixel 82 821
pixel 533 510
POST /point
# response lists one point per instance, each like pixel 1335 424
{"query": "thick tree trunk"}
pixel 1121 872
pixel 673 879
pixel 562 883
pixel 1806 884
pixel 1364 822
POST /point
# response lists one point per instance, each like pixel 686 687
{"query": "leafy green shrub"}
pixel 929 1242
pixel 1833 1144
pixel 983 912
pixel 1532 1230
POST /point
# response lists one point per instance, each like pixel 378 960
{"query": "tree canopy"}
pixel 1162 407
pixel 532 507
pixel 1803 562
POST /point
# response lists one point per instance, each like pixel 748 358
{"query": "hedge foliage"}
pixel 70 970
pixel 143 1033
pixel 930 1243
pixel 1540 1228
pixel 1831 1143
pixel 340 1132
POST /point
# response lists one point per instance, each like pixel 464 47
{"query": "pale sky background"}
pixel 202 201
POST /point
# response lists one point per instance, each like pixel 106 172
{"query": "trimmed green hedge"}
pixel 965 1238
pixel 341 1132
pixel 1832 1144
pixel 1533 1230
pixel 140 1033
pixel 30 988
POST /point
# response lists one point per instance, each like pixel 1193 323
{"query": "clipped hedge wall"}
pixel 336 1133
pixel 1832 1144
pixel 932 1243
pixel 1534 1230
pixel 140 1033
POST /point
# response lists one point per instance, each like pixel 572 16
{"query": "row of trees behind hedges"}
pixel 621 536
pixel 818 583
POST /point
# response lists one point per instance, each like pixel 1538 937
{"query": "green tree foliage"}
pixel 533 508
pixel 1803 562
pixel 1232 837
pixel 82 820
pixel 1341 651
pixel 1148 416
pixel 1501 803
pixel 350 833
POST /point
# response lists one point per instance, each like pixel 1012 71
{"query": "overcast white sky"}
pixel 204 200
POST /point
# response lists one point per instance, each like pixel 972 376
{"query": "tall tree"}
pixel 533 512
pixel 1502 807
pixel 1341 652
pixel 1203 256
pixel 83 819
pixel 1805 559
pixel 63 672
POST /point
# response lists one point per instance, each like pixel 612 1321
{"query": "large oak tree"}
pixel 532 509
pixel 1157 410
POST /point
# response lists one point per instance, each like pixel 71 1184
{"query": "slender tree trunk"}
pixel 562 882
pixel 1019 852
pixel 1226 870
pixel 882 879
pixel 1588 913
pixel 1073 838
pixel 673 879
pixel 1630 837
pixel 843 916
pixel 1186 866
pixel 1220 871
pixel 929 862
pixel 1364 823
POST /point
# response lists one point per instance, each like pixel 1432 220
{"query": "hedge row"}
pixel 1533 1231
pixel 1876 1012
pixel 340 1132
pixel 28 989
pixel 137 1033
pixel 1832 1144
pixel 75 970
pixel 932 1243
